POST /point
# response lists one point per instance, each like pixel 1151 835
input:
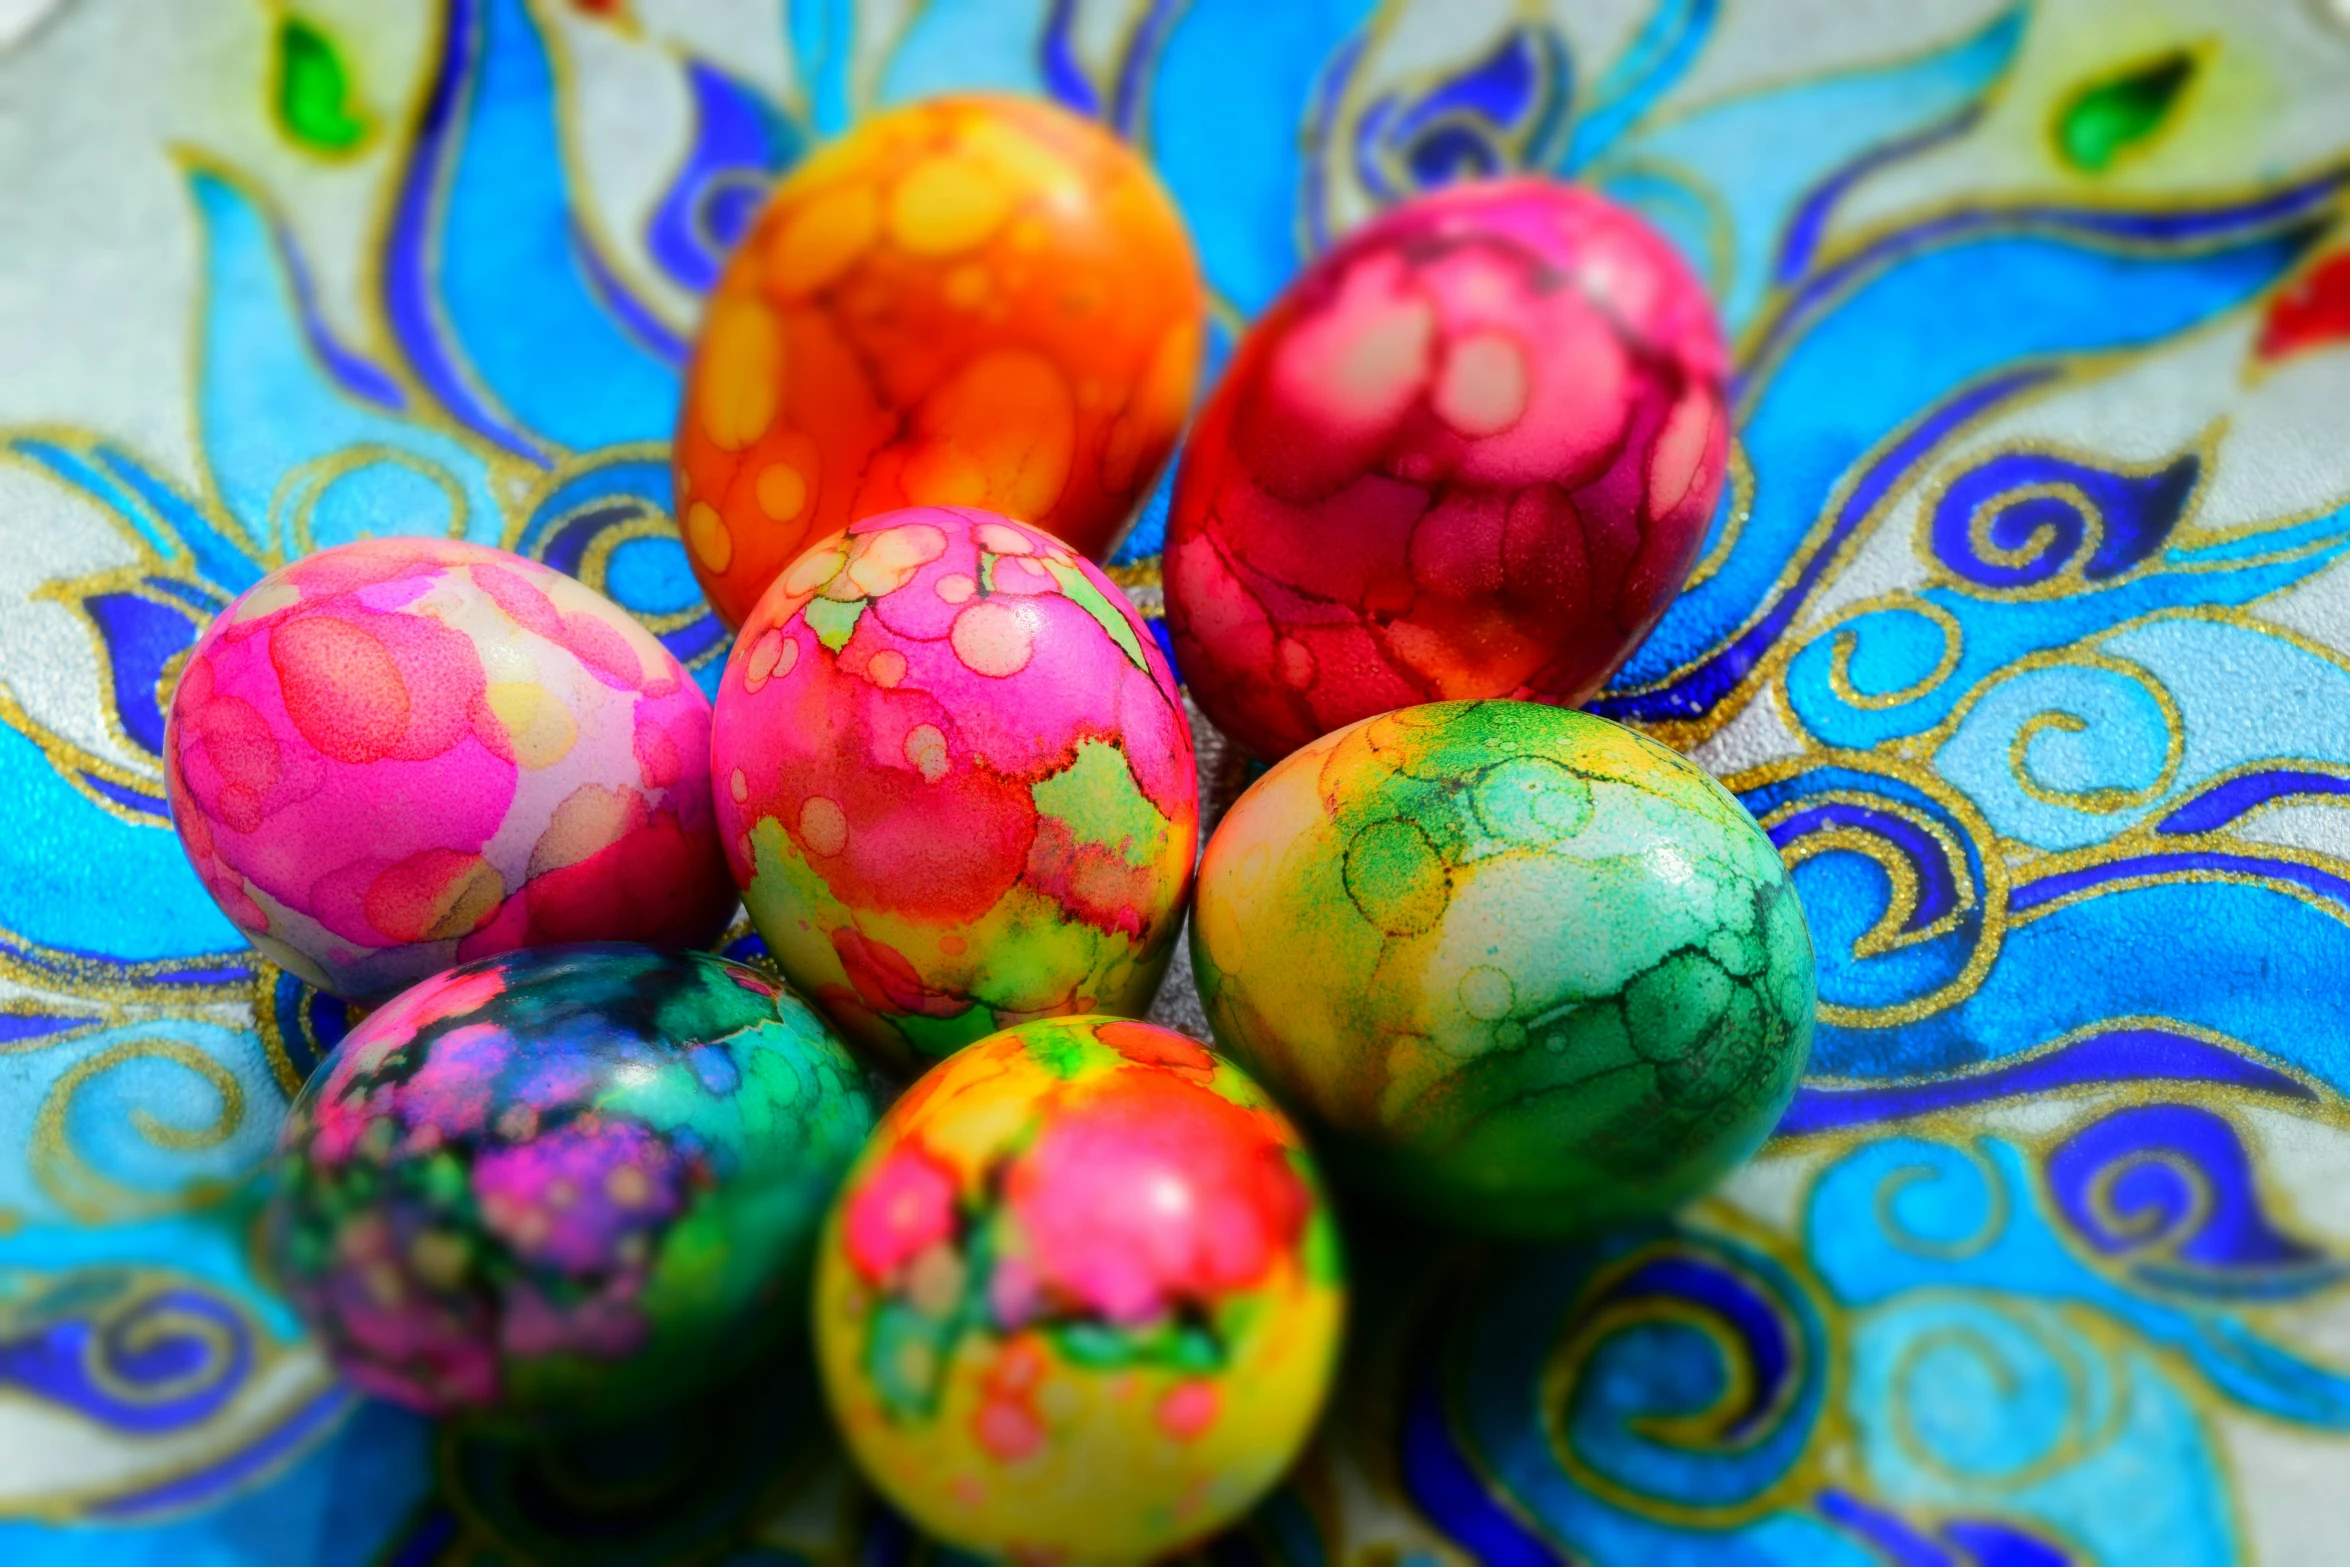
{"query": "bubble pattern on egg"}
pixel 1530 971
pixel 1080 1298
pixel 567 1185
pixel 955 782
pixel 974 301
pixel 1472 452
pixel 400 754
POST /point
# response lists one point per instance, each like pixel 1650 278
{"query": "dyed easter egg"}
pixel 955 782
pixel 1470 453
pixel 567 1185
pixel 1080 1298
pixel 400 754
pixel 1529 971
pixel 973 301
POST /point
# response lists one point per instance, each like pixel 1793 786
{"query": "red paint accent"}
pixel 2315 311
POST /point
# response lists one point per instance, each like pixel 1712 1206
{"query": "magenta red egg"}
pixel 1471 453
pixel 955 781
pixel 400 754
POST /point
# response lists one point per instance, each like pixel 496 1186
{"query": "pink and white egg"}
pixel 401 754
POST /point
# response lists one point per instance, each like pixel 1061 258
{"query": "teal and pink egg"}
pixel 400 754
pixel 566 1186
pixel 955 782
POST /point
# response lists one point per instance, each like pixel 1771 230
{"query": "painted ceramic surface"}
pixel 956 782
pixel 1533 972
pixel 401 754
pixel 1470 453
pixel 1080 1298
pixel 2021 628
pixel 564 1186
pixel 976 301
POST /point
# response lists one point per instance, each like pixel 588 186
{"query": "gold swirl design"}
pixel 2067 580
pixel 595 563
pixel 2152 1228
pixel 1845 641
pixel 1888 933
pixel 2041 539
pixel 93 1198
pixel 2106 800
pixel 128 1308
pixel 300 490
pixel 2086 1427
pixel 1997 1208
pixel 1992 894
pixel 1585 1333
pixel 144 1322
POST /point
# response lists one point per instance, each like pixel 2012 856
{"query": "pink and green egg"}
pixel 400 754
pixel 955 782
pixel 564 1187
pixel 1080 1299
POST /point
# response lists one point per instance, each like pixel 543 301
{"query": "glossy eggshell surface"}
pixel 1531 972
pixel 1080 1299
pixel 1472 452
pixel 400 754
pixel 971 301
pixel 564 1186
pixel 955 782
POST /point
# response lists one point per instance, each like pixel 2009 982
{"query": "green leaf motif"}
pixel 2120 114
pixel 1096 798
pixel 1096 603
pixel 834 620
pixel 314 90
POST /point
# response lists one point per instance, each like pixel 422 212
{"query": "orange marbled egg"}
pixel 974 301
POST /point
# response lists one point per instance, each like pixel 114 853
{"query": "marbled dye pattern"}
pixel 1532 972
pixel 973 301
pixel 564 1186
pixel 1080 1298
pixel 955 782
pixel 400 754
pixel 1470 453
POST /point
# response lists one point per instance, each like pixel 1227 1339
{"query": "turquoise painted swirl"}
pixel 1905 1215
pixel 1650 1397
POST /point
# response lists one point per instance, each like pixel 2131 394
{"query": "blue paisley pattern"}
pixel 2020 629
